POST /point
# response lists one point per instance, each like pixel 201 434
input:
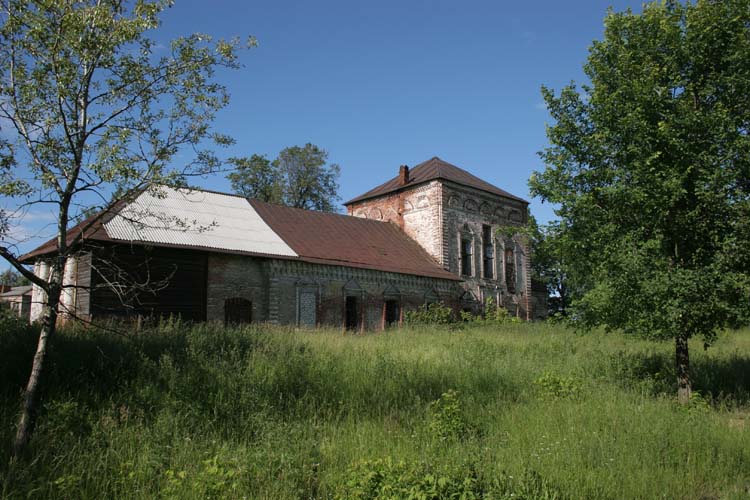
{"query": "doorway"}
pixel 392 313
pixel 351 321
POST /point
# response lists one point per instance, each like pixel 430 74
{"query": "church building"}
pixel 430 234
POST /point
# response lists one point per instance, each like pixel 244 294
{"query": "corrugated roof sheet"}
pixel 432 169
pixel 344 240
pixel 227 223
pixel 195 218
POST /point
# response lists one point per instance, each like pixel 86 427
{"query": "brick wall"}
pixel 332 284
pixel 465 212
pixel 281 291
pixel 234 276
pixel 439 213
pixel 417 211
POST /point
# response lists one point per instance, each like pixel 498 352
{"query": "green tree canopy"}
pixel 9 277
pixel 548 264
pixel 650 166
pixel 299 177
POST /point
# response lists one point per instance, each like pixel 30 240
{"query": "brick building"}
pixel 428 235
pixel 457 217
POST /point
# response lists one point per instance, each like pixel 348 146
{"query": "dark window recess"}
pixel 237 311
pixel 510 270
pixel 489 252
pixel 392 313
pixel 352 313
pixel 466 257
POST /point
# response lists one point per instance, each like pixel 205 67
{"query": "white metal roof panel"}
pixel 197 219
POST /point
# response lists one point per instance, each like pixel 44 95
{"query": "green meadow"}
pixel 479 411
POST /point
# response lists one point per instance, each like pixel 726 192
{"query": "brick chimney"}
pixel 403 175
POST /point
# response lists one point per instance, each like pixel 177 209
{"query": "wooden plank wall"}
pixel 83 286
pixel 148 281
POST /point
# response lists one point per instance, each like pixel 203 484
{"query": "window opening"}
pixel 237 311
pixel 466 251
pixel 392 313
pixel 489 252
pixel 510 270
pixel 352 313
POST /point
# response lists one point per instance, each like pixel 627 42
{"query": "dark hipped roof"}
pixel 432 169
pixel 335 239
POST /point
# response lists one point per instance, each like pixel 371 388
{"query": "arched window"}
pixel 488 253
pixel 466 255
pixel 237 311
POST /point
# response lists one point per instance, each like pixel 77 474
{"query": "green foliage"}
pixel 435 313
pixel 492 315
pixel 99 113
pixel 9 277
pixel 256 177
pixel 212 478
pixel 178 410
pixel 299 177
pixel 97 106
pixel 649 165
pixel 548 265
pixel 497 314
pixel 447 419
pixel 383 479
pixel 556 386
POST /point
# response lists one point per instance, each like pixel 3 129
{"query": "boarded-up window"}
pixel 237 311
pixel 307 308
pixel 510 270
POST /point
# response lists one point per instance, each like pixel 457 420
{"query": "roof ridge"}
pixel 428 170
pixel 319 212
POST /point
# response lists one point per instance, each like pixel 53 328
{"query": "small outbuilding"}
pixel 18 300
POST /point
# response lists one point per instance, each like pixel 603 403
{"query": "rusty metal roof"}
pixel 432 169
pixel 344 240
pixel 224 223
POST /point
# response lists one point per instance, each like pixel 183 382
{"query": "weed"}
pixel 556 386
pixel 447 420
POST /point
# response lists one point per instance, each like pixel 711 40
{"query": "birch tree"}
pixel 92 109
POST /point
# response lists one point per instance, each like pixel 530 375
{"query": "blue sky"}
pixel 380 84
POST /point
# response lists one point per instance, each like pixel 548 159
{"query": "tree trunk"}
pixel 682 363
pixel 31 394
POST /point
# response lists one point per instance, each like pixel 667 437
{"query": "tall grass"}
pixel 530 410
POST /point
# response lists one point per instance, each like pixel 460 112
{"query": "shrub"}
pixel 556 386
pixel 384 479
pixel 493 315
pixel 447 419
pixel 436 313
pixel 496 313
